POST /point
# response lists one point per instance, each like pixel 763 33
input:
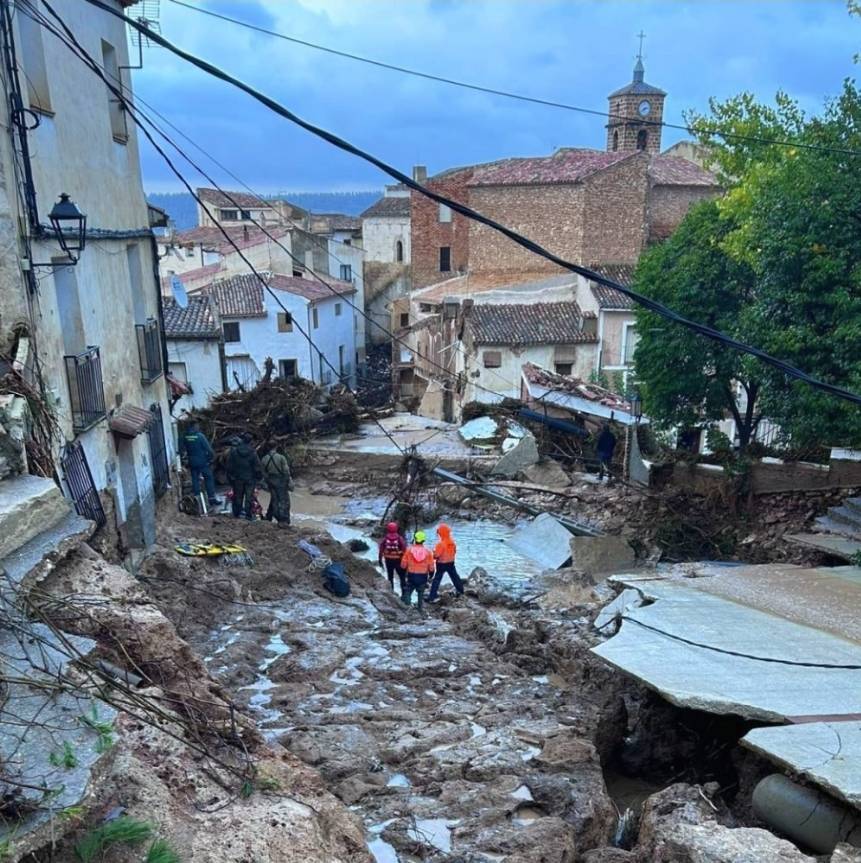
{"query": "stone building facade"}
pixel 592 207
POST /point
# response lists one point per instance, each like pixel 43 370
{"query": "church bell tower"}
pixel 635 113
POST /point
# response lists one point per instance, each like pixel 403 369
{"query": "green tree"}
pixel 685 378
pixel 775 262
pixel 799 226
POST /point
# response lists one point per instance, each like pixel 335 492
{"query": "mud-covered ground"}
pixel 482 730
pixel 466 734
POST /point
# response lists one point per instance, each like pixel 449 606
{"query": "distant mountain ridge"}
pixel 181 207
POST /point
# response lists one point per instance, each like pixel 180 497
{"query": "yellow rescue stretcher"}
pixel 229 554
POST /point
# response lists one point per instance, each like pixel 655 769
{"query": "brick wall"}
pixel 668 206
pixel 429 234
pixel 550 215
pixel 615 212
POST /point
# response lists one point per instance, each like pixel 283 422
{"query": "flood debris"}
pixel 277 412
pixel 544 540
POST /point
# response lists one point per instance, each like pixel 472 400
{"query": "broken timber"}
pixel 480 488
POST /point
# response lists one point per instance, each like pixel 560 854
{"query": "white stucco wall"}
pixel 259 337
pixel 380 237
pixel 74 151
pixel 202 366
pixel 354 256
pixel 506 379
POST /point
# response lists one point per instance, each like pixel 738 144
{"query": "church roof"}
pixel 638 87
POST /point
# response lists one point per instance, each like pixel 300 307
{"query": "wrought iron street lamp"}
pixel 70 225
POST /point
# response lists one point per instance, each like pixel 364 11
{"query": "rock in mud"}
pixel 844 853
pixel 679 826
pixel 609 855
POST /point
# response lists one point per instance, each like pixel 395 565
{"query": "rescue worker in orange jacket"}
pixel 419 564
pixel 444 554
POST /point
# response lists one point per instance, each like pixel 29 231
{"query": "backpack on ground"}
pixel 335 580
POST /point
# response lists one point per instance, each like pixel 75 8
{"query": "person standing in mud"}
pixel 605 446
pixel 391 550
pixel 444 553
pixel 198 450
pixel 276 470
pixel 418 563
pixel 243 471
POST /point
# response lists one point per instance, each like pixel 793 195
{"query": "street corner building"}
pixel 81 319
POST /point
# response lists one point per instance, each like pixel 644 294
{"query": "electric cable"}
pixel 520 97
pixel 469 213
pixel 79 51
pixel 712 647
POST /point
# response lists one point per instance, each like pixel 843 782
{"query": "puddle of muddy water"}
pixel 479 543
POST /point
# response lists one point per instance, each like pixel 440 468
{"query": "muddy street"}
pixel 454 736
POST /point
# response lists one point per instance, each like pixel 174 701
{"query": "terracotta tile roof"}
pixel 242 296
pixel 676 171
pixel 207 272
pixel 610 298
pixel 197 321
pixel 130 421
pixel 310 289
pixel 566 165
pixel 240 199
pixel 573 386
pixel 213 238
pixel 527 324
pixel 238 296
pixel 324 223
pixel 388 207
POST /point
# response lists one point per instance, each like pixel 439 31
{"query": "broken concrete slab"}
pixel 543 540
pixel 548 473
pixel 480 430
pixel 28 505
pixel 518 458
pixel 827 754
pixel 825 598
pixel 627 600
pixel 599 555
pixel 838 546
pixel 50 735
pixel 708 653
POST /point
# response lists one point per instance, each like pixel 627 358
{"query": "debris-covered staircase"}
pixel 838 532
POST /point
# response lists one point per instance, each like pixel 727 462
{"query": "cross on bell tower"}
pixel 636 112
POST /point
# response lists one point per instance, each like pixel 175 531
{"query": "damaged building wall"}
pixel 87 149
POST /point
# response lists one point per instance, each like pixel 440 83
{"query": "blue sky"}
pixel 573 51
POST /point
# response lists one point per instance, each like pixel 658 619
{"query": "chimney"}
pixel 420 174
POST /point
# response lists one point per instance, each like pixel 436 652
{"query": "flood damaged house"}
pixel 597 208
pixel 257 327
pixel 80 305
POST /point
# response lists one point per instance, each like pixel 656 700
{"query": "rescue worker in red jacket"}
pixel 391 550
pixel 444 553
pixel 419 565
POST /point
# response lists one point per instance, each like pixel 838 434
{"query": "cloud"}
pixel 573 52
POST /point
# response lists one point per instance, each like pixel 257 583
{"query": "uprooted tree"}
pixel 786 238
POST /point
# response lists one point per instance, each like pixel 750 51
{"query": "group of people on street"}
pixel 415 565
pixel 245 470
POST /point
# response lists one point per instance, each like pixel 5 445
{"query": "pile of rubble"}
pixel 278 411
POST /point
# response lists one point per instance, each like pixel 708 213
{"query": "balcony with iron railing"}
pixel 86 391
pixel 149 350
